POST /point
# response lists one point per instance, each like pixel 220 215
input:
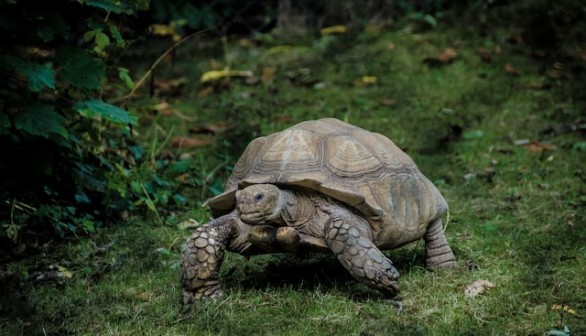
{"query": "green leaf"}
pixel 472 135
pixel 125 77
pixel 430 19
pixel 109 6
pixel 127 7
pixel 117 36
pixel 90 35
pixel 41 120
pixel 80 69
pixel 98 108
pixel 102 41
pixel 38 76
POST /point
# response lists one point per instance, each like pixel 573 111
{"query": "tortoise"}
pixel 322 186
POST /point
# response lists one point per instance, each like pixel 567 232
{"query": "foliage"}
pixel 194 15
pixel 68 159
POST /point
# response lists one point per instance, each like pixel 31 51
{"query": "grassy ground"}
pixel 506 150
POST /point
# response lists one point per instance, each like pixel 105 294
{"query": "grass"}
pixel 517 212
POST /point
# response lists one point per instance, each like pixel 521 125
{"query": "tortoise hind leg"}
pixel 438 253
pixel 358 254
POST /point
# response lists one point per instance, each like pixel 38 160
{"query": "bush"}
pixel 61 144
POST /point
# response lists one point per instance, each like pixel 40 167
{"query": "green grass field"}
pixel 502 139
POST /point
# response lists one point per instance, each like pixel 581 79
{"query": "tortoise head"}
pixel 259 204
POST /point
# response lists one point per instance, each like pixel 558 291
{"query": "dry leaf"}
pixel 267 74
pixel 334 30
pixel 188 142
pixel 278 49
pixel 187 224
pixel 164 30
pixel 170 87
pixel 144 296
pixel 280 118
pixel 215 75
pixel 565 308
pixel 445 57
pixel 164 108
pixel 366 81
pixel 388 102
pixel 485 54
pixel 215 128
pixel 204 92
pixel 511 70
pixel 373 29
pixel 538 147
pixel 477 287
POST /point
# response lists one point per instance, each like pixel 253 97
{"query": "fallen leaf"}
pixel 144 296
pixel 215 128
pixel 267 74
pixel 170 87
pixel 204 92
pixel 277 49
pixel 445 57
pixel 536 86
pixel 164 30
pixel 485 54
pixel 373 29
pixel 164 108
pixel 511 70
pixel 215 75
pixel 565 308
pixel 189 142
pixel 538 147
pixel 280 118
pixel 388 102
pixel 477 287
pixel 189 223
pixel 334 30
pixel 365 81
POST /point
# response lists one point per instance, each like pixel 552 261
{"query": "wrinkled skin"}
pixel 268 219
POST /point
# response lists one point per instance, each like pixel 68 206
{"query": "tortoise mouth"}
pixel 258 217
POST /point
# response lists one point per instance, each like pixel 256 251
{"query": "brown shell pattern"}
pixel 363 169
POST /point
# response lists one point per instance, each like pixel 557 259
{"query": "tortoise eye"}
pixel 258 197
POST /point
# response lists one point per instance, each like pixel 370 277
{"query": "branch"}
pixel 156 63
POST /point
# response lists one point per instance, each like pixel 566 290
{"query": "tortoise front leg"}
pixel 203 255
pixel 346 236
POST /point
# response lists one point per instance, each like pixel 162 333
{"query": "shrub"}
pixel 63 148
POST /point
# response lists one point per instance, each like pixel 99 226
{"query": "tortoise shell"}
pixel 362 169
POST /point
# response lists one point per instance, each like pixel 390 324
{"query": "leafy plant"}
pixel 62 145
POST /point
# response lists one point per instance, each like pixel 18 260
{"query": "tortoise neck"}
pixel 295 207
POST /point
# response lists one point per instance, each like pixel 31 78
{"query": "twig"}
pixel 156 63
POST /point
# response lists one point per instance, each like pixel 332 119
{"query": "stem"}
pixel 156 63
